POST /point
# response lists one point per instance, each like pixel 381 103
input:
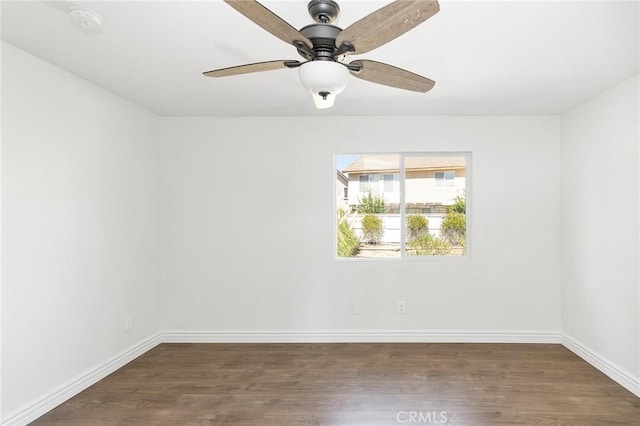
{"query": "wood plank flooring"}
pixel 352 384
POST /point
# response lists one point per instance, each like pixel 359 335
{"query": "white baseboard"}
pixel 80 383
pixel 616 373
pixel 362 336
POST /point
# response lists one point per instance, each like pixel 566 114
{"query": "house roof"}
pixel 391 162
pixel 342 178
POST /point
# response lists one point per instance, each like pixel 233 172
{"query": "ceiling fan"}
pixel 325 46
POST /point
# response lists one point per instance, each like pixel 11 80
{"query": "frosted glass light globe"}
pixel 325 80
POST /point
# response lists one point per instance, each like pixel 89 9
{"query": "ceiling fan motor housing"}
pixel 323 37
pixel 323 11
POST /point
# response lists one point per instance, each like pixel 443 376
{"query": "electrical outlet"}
pixel 357 308
pixel 128 323
pixel 401 307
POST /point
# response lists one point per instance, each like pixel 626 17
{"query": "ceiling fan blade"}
pixel 387 23
pixel 249 68
pixel 377 72
pixel 269 21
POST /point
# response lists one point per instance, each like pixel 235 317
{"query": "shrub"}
pixel 372 229
pixel 454 228
pixel 348 243
pixel 459 205
pixel 417 225
pixel 428 245
pixel 372 204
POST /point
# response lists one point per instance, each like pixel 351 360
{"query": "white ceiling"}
pixel 500 57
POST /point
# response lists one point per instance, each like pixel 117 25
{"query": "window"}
pixel 388 183
pixel 364 183
pixel 406 205
pixel 445 178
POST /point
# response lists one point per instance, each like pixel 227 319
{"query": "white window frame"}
pixel 403 256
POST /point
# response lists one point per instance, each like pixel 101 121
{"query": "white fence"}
pixel 391 225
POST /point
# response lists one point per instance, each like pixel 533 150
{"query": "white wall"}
pixel 255 252
pixel 80 220
pixel 1 97
pixel 600 218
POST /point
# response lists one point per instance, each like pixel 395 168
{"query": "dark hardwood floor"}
pixel 352 384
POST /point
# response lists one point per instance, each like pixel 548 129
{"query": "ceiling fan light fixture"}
pixel 325 80
pixel 325 46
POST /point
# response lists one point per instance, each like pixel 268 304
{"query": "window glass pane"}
pixel 388 183
pixel 364 183
pixel 370 226
pixel 449 178
pixel 435 205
